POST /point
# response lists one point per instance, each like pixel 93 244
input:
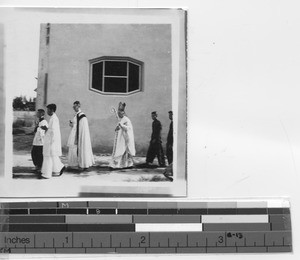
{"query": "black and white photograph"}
pixel 96 102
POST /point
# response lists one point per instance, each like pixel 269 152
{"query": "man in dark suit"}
pixel 155 148
pixel 169 150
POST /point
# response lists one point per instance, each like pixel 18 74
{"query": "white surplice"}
pixel 52 148
pixel 124 147
pixel 80 154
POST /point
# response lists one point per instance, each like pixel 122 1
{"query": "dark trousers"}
pixel 156 150
pixel 37 155
pixel 169 152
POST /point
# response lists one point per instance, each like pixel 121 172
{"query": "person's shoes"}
pixel 167 176
pixel 62 171
pixel 41 177
pixel 148 165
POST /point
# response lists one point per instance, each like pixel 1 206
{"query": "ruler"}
pixel 145 227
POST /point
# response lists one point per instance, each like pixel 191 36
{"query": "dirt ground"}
pixel 23 169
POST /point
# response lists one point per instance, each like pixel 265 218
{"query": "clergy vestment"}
pixel 52 148
pixel 124 147
pixel 38 142
pixel 170 141
pixel 79 143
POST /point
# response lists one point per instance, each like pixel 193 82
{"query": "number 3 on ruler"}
pixel 220 239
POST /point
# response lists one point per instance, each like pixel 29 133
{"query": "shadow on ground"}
pixel 135 174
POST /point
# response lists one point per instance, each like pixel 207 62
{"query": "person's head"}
pixel 76 106
pixel 154 115
pixel 171 115
pixel 51 108
pixel 121 113
pixel 40 113
pixel 121 109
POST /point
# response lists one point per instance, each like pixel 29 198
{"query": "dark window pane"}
pixel 115 68
pixel 97 76
pixel 115 85
pixel 134 77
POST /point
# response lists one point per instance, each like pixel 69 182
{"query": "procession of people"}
pixel 47 147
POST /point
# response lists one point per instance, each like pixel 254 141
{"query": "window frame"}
pixel 138 63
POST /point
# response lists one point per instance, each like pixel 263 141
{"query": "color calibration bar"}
pixel 145 227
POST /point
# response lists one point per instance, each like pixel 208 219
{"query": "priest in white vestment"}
pixel 79 142
pixel 124 147
pixel 52 146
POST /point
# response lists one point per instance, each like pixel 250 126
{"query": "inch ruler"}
pixel 145 227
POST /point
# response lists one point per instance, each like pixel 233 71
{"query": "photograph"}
pixel 95 102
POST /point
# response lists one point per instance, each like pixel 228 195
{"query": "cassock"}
pixel 52 148
pixel 170 141
pixel 79 143
pixel 124 147
pixel 155 147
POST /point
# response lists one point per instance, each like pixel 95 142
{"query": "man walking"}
pixel 38 140
pixel 170 140
pixel 79 142
pixel 52 146
pixel 155 147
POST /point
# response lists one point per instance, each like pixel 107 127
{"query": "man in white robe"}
pixel 52 146
pixel 79 142
pixel 124 147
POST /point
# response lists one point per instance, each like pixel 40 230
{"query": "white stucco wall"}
pixel 66 60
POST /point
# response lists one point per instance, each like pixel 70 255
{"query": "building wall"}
pixel 66 60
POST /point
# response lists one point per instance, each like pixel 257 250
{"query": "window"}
pixel 116 75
